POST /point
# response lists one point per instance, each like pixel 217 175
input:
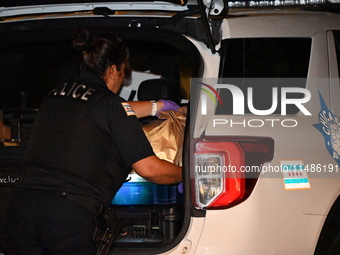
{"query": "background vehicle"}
pixel 246 213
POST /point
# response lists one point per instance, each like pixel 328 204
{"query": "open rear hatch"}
pixel 154 218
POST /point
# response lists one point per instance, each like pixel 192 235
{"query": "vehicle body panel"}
pixel 264 223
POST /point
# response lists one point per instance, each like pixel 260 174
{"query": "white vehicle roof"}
pixel 279 23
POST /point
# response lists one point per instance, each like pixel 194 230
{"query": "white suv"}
pixel 262 144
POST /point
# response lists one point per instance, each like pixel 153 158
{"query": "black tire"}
pixel 329 240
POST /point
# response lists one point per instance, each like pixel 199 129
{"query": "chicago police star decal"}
pixel 329 127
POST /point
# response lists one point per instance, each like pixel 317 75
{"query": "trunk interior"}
pixel 35 57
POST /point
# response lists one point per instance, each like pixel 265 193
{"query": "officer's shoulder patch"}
pixel 128 109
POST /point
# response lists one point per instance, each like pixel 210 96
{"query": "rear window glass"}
pixel 337 46
pixel 265 63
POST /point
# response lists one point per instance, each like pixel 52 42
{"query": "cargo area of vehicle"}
pixel 32 61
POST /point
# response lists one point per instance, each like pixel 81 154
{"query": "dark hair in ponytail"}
pixel 101 53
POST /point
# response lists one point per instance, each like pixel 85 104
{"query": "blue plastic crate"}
pixel 137 191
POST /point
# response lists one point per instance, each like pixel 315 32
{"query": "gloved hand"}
pixel 169 105
pixel 180 188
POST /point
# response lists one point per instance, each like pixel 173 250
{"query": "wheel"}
pixel 329 240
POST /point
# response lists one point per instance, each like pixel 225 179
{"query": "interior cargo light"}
pixel 219 173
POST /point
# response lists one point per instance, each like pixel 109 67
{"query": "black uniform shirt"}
pixel 84 141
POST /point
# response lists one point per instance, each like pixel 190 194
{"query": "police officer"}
pixel 85 141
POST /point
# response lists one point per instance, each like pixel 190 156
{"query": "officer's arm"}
pixel 158 171
pixel 144 108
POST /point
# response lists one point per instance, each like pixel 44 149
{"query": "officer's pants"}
pixel 45 223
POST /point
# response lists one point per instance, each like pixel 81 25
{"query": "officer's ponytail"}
pixel 101 53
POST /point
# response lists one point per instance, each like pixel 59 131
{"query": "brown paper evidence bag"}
pixel 166 135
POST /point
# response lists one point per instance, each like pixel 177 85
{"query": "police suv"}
pixel 261 150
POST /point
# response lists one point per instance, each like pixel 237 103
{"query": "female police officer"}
pixel 85 141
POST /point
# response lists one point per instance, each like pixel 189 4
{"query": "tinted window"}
pixel 337 46
pixel 266 63
pixel 266 57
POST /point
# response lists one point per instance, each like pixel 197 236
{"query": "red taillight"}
pixel 224 170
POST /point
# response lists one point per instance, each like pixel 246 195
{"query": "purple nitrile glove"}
pixel 180 187
pixel 169 105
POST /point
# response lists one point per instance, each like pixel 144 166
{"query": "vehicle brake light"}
pixel 225 170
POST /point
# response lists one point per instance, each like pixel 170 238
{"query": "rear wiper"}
pixel 104 11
